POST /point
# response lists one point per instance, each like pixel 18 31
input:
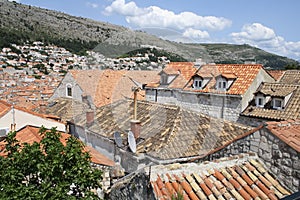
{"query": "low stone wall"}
pixel 282 160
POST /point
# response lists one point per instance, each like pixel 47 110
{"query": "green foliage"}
pixel 178 196
pixel 47 170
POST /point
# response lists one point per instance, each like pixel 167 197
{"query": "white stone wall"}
pixel 227 107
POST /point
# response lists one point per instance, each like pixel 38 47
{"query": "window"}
pixel 260 101
pixel 222 85
pixel 277 103
pixel 197 84
pixel 69 90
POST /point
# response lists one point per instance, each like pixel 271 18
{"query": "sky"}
pixel 272 25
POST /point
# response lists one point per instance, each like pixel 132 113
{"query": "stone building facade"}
pixel 282 159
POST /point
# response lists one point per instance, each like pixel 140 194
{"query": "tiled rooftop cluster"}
pixel 25 90
pixel 181 133
pixel 289 84
pixel 234 178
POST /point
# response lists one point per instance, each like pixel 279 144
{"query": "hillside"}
pixel 19 23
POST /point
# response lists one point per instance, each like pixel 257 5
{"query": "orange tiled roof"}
pixel 108 86
pixel 244 75
pixel 4 108
pixel 276 74
pixel 287 131
pixel 230 178
pixel 30 134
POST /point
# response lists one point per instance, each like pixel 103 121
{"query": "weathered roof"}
pixel 276 89
pixel 287 131
pixel 30 134
pixel 291 77
pixel 240 177
pixel 243 75
pixel 167 131
pixel 291 110
pixel 107 86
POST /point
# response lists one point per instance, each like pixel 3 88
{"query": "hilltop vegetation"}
pixel 19 23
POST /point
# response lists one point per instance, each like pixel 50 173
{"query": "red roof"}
pixel 287 131
pixel 30 134
pixel 234 178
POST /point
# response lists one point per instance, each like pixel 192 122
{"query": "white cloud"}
pixel 127 9
pixel 265 38
pixel 18 1
pixel 93 5
pixel 154 16
pixel 195 34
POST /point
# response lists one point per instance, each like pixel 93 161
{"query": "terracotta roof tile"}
pixel 4 108
pixel 107 86
pixel 276 74
pixel 197 185
pixel 287 131
pixel 30 134
pixel 172 124
pixel 243 75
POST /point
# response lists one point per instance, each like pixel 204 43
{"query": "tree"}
pixel 47 170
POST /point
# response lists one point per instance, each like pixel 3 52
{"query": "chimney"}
pixel 43 108
pixel 135 128
pixel 90 115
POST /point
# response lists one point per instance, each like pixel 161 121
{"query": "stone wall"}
pixel 221 106
pixel 135 187
pixel 282 160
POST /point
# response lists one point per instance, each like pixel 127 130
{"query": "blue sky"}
pixel 272 25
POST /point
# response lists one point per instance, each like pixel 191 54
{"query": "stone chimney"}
pixel 90 117
pixel 135 126
pixel 43 108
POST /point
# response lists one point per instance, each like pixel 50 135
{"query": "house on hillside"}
pixel 102 87
pixel 15 118
pixel 275 101
pixel 219 90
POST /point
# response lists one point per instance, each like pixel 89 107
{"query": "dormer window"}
pixel 224 81
pixel 198 83
pixel 69 90
pixel 277 103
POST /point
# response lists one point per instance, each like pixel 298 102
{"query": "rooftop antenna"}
pixel 131 142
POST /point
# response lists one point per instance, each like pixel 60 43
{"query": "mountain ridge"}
pixel 20 22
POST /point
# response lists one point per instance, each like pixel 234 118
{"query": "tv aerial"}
pixel 131 142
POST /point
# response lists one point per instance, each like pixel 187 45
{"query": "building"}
pixel 275 101
pixel 102 87
pixel 219 90
pixel 15 118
